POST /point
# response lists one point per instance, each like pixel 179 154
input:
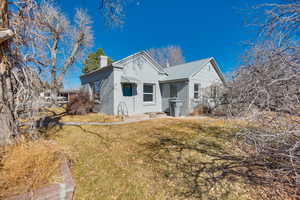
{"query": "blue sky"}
pixel 214 28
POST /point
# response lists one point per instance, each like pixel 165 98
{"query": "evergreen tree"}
pixel 92 62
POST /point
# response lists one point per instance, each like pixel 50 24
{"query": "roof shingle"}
pixel 186 70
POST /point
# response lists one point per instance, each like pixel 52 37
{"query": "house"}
pixel 63 96
pixel 138 84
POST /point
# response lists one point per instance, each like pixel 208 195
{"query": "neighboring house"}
pixel 63 96
pixel 137 84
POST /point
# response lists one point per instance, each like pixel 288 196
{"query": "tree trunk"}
pixel 8 126
pixel 54 85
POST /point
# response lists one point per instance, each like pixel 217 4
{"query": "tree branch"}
pixel 5 35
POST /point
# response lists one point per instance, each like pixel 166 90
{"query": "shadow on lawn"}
pixel 53 125
pixel 203 168
pixel 49 122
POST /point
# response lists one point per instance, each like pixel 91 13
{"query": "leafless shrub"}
pixel 79 104
pixel 271 84
pixel 274 142
pixel 266 90
pixel 200 110
pixel 269 81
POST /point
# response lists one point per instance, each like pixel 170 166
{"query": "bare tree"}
pixel 18 81
pixel 24 29
pixel 282 17
pixel 113 11
pixel 58 43
pixel 6 103
pixel 167 56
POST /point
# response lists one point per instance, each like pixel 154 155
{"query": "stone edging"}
pixel 56 191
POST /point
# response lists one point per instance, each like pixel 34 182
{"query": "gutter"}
pixel 102 68
pixel 174 80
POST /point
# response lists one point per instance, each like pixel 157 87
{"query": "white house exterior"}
pixel 137 84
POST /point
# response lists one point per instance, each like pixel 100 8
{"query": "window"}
pixel 173 90
pixel 213 91
pixel 127 89
pixel 96 86
pixel 148 92
pixel 196 91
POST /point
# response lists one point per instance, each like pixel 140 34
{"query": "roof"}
pixel 118 63
pixel 174 73
pixel 158 67
pixel 110 66
pixel 184 71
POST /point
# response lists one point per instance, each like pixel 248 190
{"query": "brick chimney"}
pixel 103 61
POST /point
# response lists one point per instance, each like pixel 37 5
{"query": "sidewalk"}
pixel 128 120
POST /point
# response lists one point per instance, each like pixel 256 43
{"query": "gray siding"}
pixel 141 69
pixel 106 77
pixel 205 77
pixel 182 93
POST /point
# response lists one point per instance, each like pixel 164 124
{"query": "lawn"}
pixel 28 165
pixel 61 115
pixel 158 159
pixel 91 117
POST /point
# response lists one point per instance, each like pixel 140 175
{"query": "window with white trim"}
pixel 127 89
pixel 148 89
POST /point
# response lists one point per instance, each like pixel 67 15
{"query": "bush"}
pixel 79 104
pixel 273 143
pixel 220 111
pixel 200 110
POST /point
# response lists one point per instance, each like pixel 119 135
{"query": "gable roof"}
pixel 156 65
pixel 177 72
pixel 118 63
pixel 187 70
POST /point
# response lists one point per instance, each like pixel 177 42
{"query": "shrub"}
pixel 79 104
pixel 273 143
pixel 200 110
pixel 220 110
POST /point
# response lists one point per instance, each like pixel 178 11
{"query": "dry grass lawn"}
pixel 28 165
pixel 60 115
pixel 158 159
pixel 92 117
